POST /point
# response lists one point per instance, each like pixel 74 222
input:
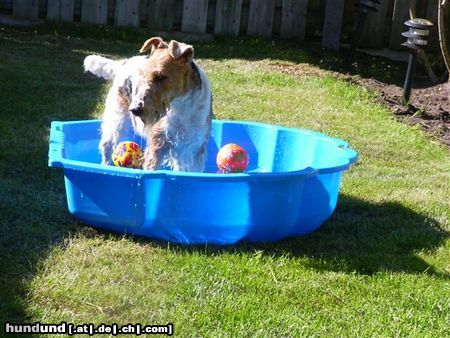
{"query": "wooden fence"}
pixel 331 21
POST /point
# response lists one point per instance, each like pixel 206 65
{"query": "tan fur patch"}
pixel 167 77
pixel 157 146
pixel 123 98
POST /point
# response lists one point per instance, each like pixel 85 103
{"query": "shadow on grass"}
pixel 42 81
pixel 361 238
pixel 121 40
pixel 247 48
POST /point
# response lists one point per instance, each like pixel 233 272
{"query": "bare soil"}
pixel 429 105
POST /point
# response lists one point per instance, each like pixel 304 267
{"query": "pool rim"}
pixel 56 159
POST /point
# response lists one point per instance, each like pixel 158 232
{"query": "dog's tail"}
pixel 101 66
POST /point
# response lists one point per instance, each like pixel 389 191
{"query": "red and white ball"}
pixel 232 158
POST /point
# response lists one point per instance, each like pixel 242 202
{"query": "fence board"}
pixel 332 25
pixel 228 17
pixel 127 13
pixel 373 32
pixel 399 16
pixel 420 8
pixel 263 18
pixel 161 15
pixel 195 13
pixel 260 19
pixel 26 8
pixel 60 10
pixel 432 15
pixel 293 19
pixel 94 11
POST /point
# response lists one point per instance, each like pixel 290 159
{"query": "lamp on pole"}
pixel 416 39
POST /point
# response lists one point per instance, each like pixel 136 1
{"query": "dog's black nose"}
pixel 137 111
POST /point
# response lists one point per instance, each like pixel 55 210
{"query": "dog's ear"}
pixel 151 44
pixel 181 50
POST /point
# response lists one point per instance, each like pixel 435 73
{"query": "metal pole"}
pixel 409 77
pixel 359 28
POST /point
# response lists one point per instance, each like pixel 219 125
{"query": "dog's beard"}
pixel 147 120
pixel 138 124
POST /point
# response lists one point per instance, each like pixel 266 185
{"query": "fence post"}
pixel 60 10
pixel 94 11
pixel 332 25
pixel 293 19
pixel 432 15
pixel 195 13
pixel 399 16
pixel 260 19
pixel 375 28
pixel 26 8
pixel 228 17
pixel 127 13
pixel 161 14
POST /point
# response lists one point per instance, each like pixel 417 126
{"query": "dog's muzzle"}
pixel 137 108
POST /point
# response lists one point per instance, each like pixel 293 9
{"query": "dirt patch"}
pixel 429 105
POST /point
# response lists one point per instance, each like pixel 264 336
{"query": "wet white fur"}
pixel 186 123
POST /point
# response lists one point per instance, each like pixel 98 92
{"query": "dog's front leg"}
pixel 157 148
pixel 199 160
pixel 115 121
pixel 107 144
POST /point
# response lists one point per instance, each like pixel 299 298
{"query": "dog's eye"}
pixel 159 77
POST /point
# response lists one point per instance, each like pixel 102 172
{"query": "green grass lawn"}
pixel 379 267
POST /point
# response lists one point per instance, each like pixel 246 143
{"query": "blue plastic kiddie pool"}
pixel 290 187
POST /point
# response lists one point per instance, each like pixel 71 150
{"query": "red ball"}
pixel 232 158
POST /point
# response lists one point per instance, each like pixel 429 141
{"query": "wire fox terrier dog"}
pixel 165 97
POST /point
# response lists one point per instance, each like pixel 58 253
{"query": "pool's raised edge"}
pixel 56 159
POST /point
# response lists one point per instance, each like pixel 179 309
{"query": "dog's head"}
pixel 167 73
